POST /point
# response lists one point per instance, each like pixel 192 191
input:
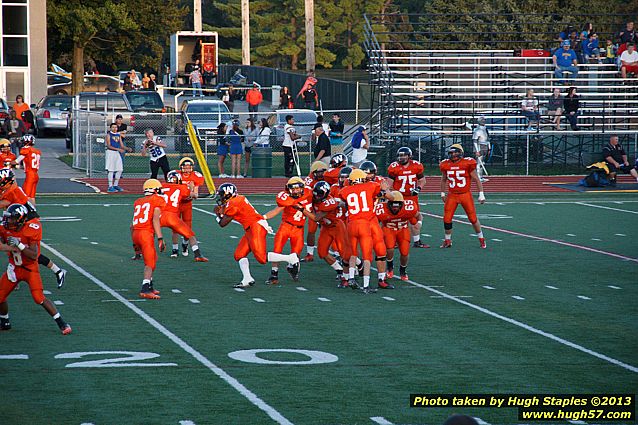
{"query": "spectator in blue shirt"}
pixel 591 48
pixel 565 60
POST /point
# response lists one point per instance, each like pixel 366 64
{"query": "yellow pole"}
pixel 203 165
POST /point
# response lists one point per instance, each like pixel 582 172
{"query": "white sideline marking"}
pixel 46 292
pixel 582 297
pixel 571 234
pixel 606 208
pixel 517 297
pixel 14 357
pixel 542 239
pixel 550 287
pixel 528 327
pixel 380 420
pixel 249 395
pixel 301 288
pixel 259 300
pixel 58 302
pixel 389 298
pixel 176 291
pixel 488 287
pixel 539 203
pixel 239 290
pixel 614 287
pixel 620 234
pixel 134 300
pixel 65 205
pixel 618 202
pixel 194 300
pixel 323 299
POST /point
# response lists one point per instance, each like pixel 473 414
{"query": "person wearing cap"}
pixel 565 59
pixel 322 148
pixel 360 144
pixel 254 98
pixel 122 129
pixel 236 135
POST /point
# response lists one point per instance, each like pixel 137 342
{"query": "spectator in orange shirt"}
pixel 20 107
pixel 254 98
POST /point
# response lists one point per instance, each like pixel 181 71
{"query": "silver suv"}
pixel 206 115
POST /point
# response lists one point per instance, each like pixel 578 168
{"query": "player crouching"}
pixel 458 172
pixel 174 194
pixel 232 206
pixel 21 238
pixel 396 215
pixel 146 224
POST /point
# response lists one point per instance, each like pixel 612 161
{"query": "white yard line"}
pixel 380 420
pixel 238 386
pixel 587 204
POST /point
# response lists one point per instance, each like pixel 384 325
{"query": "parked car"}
pixel 50 114
pixel 122 75
pixel 55 78
pixel 92 83
pixel 149 108
pixel 205 115
pixel 106 106
pixel 305 120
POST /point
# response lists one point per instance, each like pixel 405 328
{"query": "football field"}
pixel 549 307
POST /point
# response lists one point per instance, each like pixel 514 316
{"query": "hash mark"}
pixel 194 300
pixel 516 297
pixel 582 297
pixel 614 287
pixel 389 298
pixel 323 299
pixel 94 243
pixel 176 291
pixel 58 302
pixel 45 292
pixel 497 240
pixel 380 420
pixel 488 287
pixel 14 357
pixel 620 234
pixel 301 288
pixel 571 234
pixel 259 300
pixel 550 287
pixel 239 290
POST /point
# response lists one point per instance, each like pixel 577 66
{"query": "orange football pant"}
pixel 254 240
pixel 401 236
pixel 452 202
pixel 377 238
pixel 335 235
pixel 186 213
pixel 145 241
pixel 288 231
pixel 360 236
pixel 32 278
pixel 173 222
pixel 30 184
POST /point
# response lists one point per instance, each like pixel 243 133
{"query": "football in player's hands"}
pixel 13 241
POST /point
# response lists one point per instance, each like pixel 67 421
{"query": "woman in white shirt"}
pixel 263 138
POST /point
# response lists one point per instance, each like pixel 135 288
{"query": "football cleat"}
pixel 447 243
pixel 309 258
pixel 385 285
pixel 272 280
pixel 343 282
pixel 294 271
pixel 5 325
pixel 419 244
pixel 60 276
pixel 244 285
pixel 201 259
pixel 482 242
pixel 390 274
pixel 368 290
pixel 153 290
pixel 136 257
pixel 353 284
pixel 174 253
pixel 66 329
pixel 149 295
pixel 185 249
pixel 404 277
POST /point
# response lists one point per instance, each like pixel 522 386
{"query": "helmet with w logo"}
pixel 225 192
pixel 15 217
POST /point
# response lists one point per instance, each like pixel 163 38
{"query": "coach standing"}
pixel 154 146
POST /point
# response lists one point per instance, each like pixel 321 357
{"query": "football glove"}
pixel 161 244
pixel 13 241
pixel 415 191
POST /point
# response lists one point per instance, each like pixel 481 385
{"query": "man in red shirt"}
pixel 194 179
pixel 145 226
pixel 395 216
pixel 232 206
pixel 317 170
pixel 458 173
pixel 174 193
pixel 408 178
pixel 254 98
pixel 30 156
pixel 360 198
pixel 292 201
pixel 20 239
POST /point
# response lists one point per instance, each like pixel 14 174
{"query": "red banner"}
pixel 209 62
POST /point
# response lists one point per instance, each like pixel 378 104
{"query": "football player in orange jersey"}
pixel 174 192
pixel 360 197
pixel 380 250
pixel 395 216
pixel 30 156
pixel 408 178
pixel 458 173
pixel 337 162
pixel 292 201
pixel 194 180
pixel 7 158
pixel 145 226
pixel 317 170
pixel 21 238
pixel 333 230
pixel 11 193
pixel 232 206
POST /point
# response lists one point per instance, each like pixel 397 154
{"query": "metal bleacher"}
pixel 434 95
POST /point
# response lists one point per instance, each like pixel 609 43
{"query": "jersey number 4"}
pixel 456 178
pixel 174 198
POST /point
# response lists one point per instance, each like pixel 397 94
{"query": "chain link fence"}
pixel 90 128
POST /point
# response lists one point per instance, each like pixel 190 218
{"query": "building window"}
pixel 14 20
pixel 15 51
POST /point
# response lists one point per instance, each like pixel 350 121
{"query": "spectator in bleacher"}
pixel 628 35
pixel 610 51
pixel 336 133
pixel 616 159
pixel 529 108
pixel 629 61
pixel 555 107
pixel 564 35
pixel 587 29
pixel 360 144
pixel 571 105
pixel 591 49
pixel 565 60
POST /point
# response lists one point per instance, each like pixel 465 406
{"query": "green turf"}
pixel 387 349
